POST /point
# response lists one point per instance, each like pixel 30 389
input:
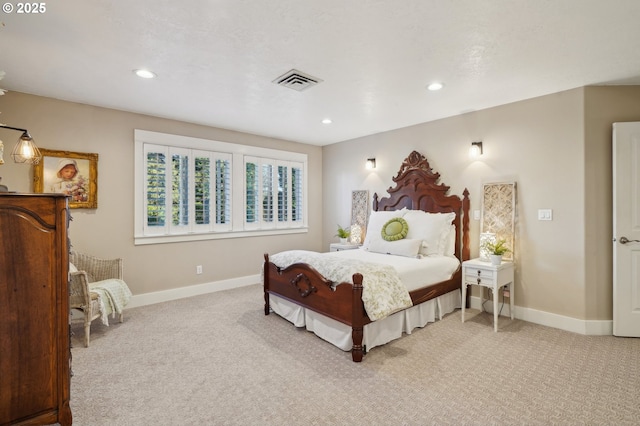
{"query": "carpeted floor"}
pixel 218 360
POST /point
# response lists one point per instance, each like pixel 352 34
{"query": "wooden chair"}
pixel 90 269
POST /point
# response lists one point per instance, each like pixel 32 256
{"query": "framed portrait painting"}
pixel 71 173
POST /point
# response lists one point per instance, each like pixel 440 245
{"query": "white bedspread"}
pixel 383 292
pixel 414 273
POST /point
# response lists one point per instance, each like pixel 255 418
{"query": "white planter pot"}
pixel 343 240
pixel 496 259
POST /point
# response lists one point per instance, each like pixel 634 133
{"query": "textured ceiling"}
pixel 216 60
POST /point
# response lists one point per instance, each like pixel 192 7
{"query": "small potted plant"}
pixel 497 250
pixel 343 234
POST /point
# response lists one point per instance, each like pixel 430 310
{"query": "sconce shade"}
pixel 26 151
pixel 486 238
pixel 371 163
pixel 475 150
pixel 356 234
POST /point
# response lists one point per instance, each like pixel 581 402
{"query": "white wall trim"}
pixel 192 290
pixel 586 327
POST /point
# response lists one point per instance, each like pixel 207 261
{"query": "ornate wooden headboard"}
pixel 417 188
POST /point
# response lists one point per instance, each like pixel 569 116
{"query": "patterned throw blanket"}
pixel 114 296
pixel 383 293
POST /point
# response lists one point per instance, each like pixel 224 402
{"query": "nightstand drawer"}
pixel 487 282
pixel 473 274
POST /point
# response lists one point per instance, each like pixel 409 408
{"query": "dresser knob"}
pixel 478 272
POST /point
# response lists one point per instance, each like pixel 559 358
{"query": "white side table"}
pixel 494 277
pixel 340 247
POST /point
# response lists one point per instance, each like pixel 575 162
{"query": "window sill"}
pixel 163 239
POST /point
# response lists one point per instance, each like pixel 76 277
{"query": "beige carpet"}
pixel 218 360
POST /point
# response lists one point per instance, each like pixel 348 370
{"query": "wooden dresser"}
pixel 34 309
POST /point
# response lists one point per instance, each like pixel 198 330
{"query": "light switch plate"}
pixel 476 214
pixel 545 214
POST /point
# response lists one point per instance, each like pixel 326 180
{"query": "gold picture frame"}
pixel 55 173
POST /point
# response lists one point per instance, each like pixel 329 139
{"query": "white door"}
pixel 626 229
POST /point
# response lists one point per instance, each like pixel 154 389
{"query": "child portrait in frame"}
pixel 70 173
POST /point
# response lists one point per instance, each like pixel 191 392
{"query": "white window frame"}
pixel 236 153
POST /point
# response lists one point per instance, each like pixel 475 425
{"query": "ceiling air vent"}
pixel 297 80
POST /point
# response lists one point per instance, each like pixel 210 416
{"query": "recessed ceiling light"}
pixel 435 86
pixel 144 73
pixel 327 121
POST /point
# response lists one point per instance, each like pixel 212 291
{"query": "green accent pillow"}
pixel 395 229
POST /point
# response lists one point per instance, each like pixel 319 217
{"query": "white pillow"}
pixel 450 246
pixel 376 221
pixel 404 247
pixel 431 228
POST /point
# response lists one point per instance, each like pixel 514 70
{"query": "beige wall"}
pixel 108 230
pixel 557 149
pixel 604 105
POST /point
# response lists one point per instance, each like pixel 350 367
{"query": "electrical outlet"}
pixel 199 269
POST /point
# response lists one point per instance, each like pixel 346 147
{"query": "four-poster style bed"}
pixel 296 290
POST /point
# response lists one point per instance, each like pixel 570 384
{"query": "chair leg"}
pixel 122 317
pixel 87 331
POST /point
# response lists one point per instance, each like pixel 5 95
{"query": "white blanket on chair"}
pixel 114 296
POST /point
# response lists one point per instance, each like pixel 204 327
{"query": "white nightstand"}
pixel 494 277
pixel 340 247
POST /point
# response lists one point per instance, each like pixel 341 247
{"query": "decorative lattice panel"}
pixel 499 213
pixel 359 214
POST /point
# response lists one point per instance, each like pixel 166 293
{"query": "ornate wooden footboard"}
pixel 301 284
pixel 417 189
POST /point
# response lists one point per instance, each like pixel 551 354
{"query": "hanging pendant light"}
pixel 25 151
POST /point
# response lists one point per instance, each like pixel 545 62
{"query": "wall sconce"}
pixel 476 150
pixel 25 150
pixel 371 163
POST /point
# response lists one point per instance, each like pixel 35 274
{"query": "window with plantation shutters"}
pixel 267 193
pixel 180 190
pixel 190 193
pixel 223 192
pixel 252 192
pixel 212 191
pixel 155 189
pixel 283 194
pixel 193 189
pixel 273 193
pixel 203 189
pixel 297 194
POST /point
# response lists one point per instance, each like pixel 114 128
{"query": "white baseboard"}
pixel 192 290
pixel 586 327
